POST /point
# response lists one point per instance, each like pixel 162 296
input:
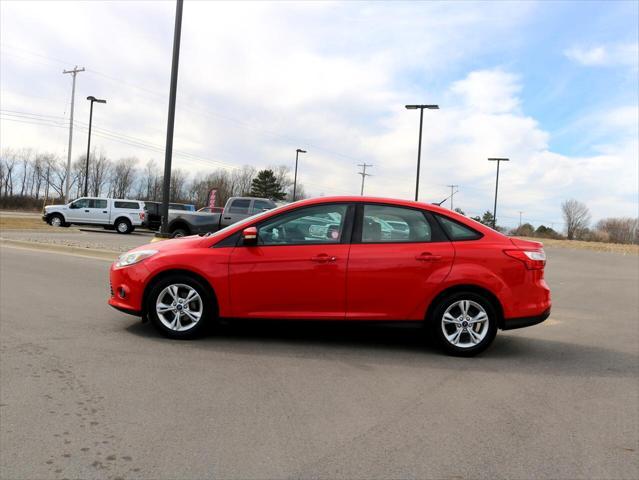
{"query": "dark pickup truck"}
pixel 183 223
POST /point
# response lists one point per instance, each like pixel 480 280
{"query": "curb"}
pixel 66 249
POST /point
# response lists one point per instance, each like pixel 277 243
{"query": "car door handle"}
pixel 323 258
pixel 86 211
pixel 104 211
pixel 227 218
pixel 428 257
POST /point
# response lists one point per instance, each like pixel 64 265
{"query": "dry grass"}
pixel 595 246
pixel 24 223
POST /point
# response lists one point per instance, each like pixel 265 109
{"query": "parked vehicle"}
pixel 111 213
pixel 182 224
pixel 153 218
pixel 328 259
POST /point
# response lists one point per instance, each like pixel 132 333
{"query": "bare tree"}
pixel 122 177
pixel 619 230
pixel 57 175
pixel 242 179
pixel 8 160
pixel 99 170
pixel 576 216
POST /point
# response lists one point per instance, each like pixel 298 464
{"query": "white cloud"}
pixel 624 54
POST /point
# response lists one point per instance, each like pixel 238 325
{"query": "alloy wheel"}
pixel 179 307
pixel 465 324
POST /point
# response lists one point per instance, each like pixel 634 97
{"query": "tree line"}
pixel 29 178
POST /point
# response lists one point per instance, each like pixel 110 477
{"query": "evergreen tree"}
pixel 265 185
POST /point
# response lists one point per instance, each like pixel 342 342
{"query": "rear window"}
pixel 127 205
pixel 457 231
pixel 96 203
pixel 261 205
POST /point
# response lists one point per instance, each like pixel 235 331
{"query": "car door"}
pixel 238 209
pixel 297 269
pixel 398 258
pixel 98 211
pixel 76 212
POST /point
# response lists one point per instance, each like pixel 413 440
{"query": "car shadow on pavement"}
pixel 405 344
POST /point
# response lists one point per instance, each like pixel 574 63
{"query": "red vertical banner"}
pixel 212 198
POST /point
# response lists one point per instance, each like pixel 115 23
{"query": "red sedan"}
pixel 342 258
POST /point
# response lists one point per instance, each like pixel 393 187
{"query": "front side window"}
pixel 240 206
pixel 81 203
pixel 261 205
pixel 320 224
pixel 457 231
pixel 385 223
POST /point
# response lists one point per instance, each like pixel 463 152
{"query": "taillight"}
pixel 142 214
pixel 533 259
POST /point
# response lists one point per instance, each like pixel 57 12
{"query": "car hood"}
pixel 171 244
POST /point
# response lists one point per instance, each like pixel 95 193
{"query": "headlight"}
pixel 131 258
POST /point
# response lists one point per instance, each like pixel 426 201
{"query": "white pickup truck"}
pixel 110 213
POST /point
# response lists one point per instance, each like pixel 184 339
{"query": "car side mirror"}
pixel 249 236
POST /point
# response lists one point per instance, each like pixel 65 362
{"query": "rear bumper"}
pixel 521 322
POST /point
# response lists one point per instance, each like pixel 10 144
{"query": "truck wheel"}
pixel 179 232
pixel 122 225
pixel 57 220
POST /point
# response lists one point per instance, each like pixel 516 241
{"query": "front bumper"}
pixel 521 322
pixel 127 288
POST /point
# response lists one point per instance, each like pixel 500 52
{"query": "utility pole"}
pixel 520 212
pixel 73 72
pixel 452 193
pixel 498 160
pixel 364 175
pixel 297 152
pixel 168 154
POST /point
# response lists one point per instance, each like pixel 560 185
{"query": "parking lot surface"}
pixel 88 392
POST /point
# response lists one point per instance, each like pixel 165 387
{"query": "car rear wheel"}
pixel 122 225
pixel 464 323
pixel 180 307
pixel 179 232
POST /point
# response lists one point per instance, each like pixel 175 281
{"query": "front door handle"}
pixel 86 211
pixel 323 258
pixel 428 257
pixel 104 211
pixel 227 218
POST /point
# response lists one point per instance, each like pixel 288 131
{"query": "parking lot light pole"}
pixel 297 152
pixel 419 145
pixel 168 154
pixel 498 160
pixel 92 99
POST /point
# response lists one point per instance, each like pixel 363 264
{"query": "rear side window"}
pixel 389 224
pixel 240 206
pixel 127 205
pixel 457 231
pixel 97 203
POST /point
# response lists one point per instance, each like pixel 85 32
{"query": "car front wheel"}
pixel 180 307
pixel 464 323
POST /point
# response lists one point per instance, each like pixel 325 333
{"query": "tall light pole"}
pixel 498 160
pixel 419 147
pixel 73 72
pixel 92 99
pixel 168 154
pixel 297 153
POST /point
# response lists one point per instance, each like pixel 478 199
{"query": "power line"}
pixel 364 175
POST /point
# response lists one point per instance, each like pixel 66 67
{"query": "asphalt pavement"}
pixel 88 392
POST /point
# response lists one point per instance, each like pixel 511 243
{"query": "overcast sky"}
pixel 551 85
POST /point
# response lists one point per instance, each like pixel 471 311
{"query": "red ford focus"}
pixel 341 258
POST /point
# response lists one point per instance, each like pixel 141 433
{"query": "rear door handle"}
pixel 227 218
pixel 428 257
pixel 86 211
pixel 104 211
pixel 323 258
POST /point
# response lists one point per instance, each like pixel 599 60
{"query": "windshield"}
pixel 246 221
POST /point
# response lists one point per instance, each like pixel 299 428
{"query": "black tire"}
pixel 179 232
pixel 57 220
pixel 207 302
pixel 468 342
pixel 123 226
